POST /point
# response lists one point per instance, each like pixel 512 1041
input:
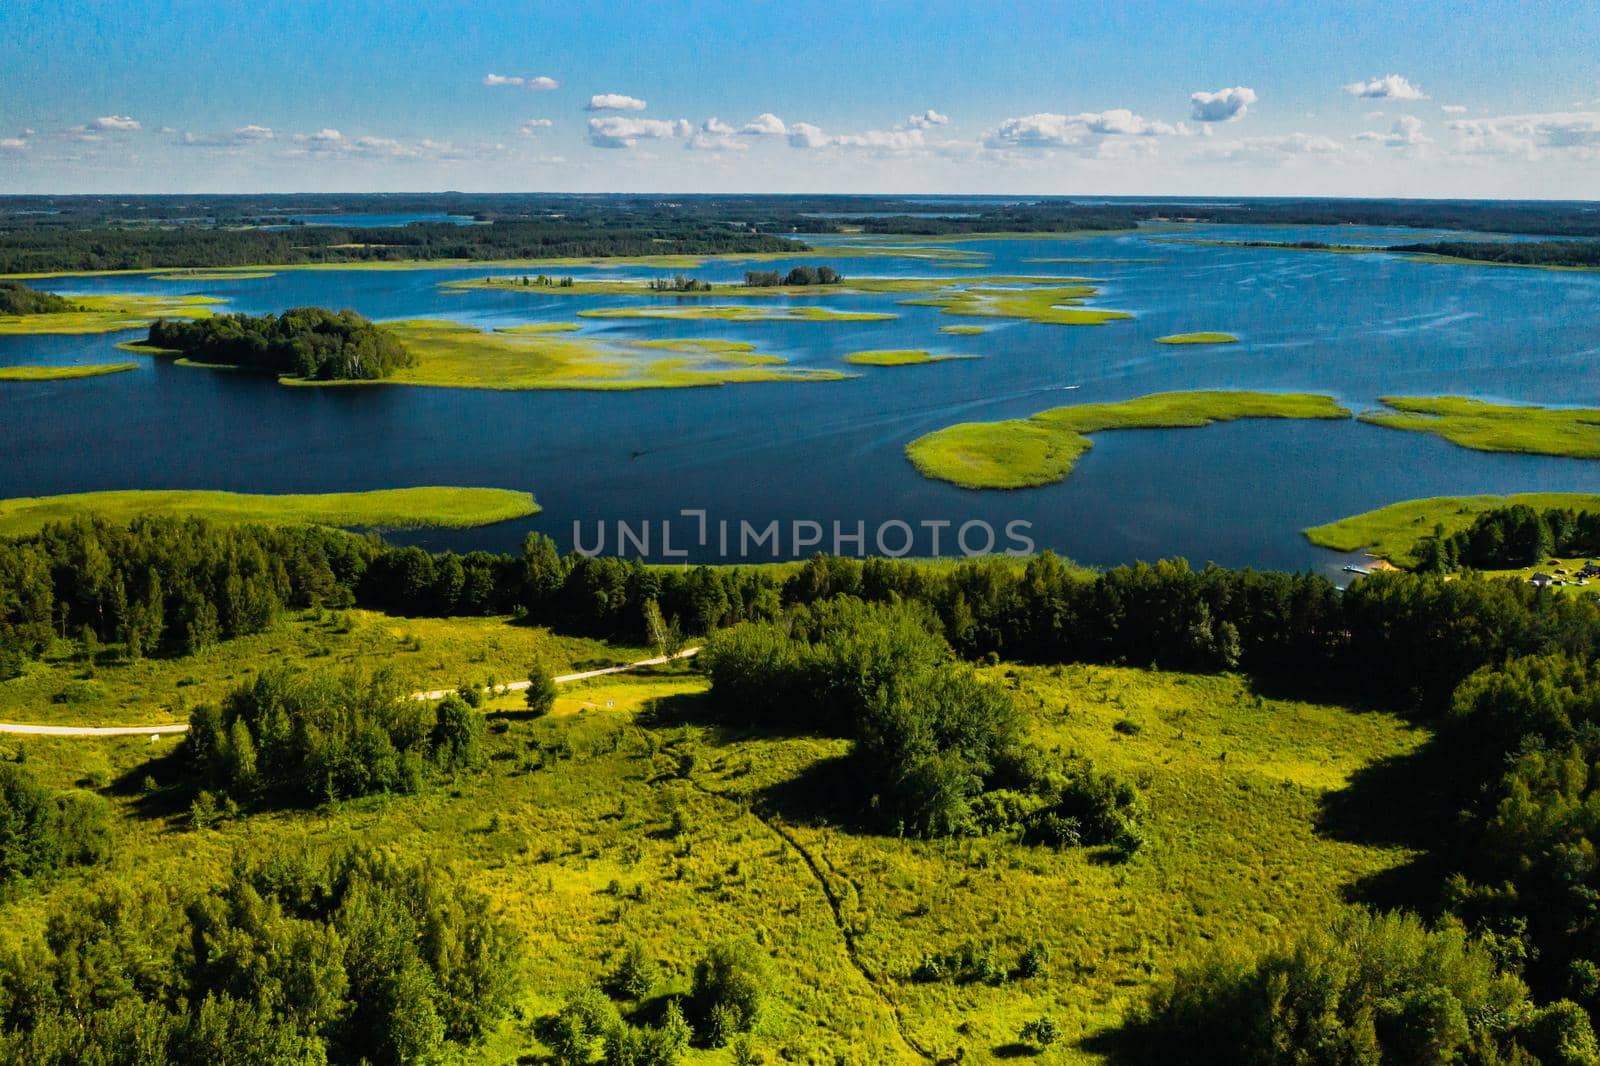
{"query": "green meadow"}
pixel 1493 427
pixel 62 373
pixel 380 508
pixel 1041 449
pixel 1392 532
pixel 108 314
pixel 629 816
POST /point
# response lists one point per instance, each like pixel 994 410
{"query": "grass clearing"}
pixel 1027 452
pixel 1391 532
pixel 62 373
pixel 1198 338
pixel 626 816
pixel 1494 427
pixel 379 508
pixel 108 314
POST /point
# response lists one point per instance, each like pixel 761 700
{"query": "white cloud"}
pixel 614 102
pixel 501 79
pixel 882 140
pixel 1049 130
pixel 717 136
pixel 12 144
pixel 1276 149
pixel 542 84
pixel 1532 135
pixel 533 125
pixel 765 124
pixel 539 83
pixel 927 119
pixel 115 123
pixel 1454 109
pixel 1388 87
pixel 619 131
pixel 805 135
pixel 253 133
pixel 1405 133
pixel 1224 105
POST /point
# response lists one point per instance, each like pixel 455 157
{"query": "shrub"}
pixel 1041 1032
pixel 43 830
pixel 635 974
pixel 541 693
pixel 729 984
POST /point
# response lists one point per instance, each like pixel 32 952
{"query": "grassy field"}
pixel 1198 338
pixel 627 816
pixel 60 373
pixel 380 508
pixel 899 357
pixel 1025 452
pixel 108 314
pixel 535 328
pixel 453 355
pixel 736 313
pixel 1391 532
pixel 1052 305
pixel 1493 427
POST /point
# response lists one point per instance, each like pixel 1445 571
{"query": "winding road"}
pixel 437 694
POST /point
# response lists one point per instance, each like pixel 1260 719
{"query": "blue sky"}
pixel 1357 99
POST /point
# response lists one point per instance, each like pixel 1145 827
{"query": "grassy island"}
pixel 899 357
pixel 1491 427
pixel 1050 305
pixel 736 313
pixel 63 373
pixel 106 314
pixel 380 508
pixel 1026 452
pixel 1198 338
pixel 1392 532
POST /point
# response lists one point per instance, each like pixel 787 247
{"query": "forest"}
pixel 311 343
pixel 884 656
pixel 1509 538
pixel 1576 254
pixel 18 299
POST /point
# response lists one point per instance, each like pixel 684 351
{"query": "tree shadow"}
pixel 828 791
pixel 1016 1049
pixel 172 794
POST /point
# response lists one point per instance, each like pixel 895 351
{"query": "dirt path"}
pixel 438 694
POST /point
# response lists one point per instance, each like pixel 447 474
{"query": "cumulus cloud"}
pixel 1454 109
pixel 1405 133
pixel 805 135
pixel 1532 135
pixel 716 135
pixel 539 83
pixel 1277 149
pixel 533 125
pixel 927 120
pixel 614 102
pixel 619 131
pixel 115 123
pixel 1388 87
pixel 1049 130
pixel 765 124
pixel 1224 105
pixel 12 144
pixel 253 132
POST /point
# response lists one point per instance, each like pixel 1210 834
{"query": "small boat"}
pixel 1353 569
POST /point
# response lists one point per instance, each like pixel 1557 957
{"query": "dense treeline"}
pixel 1524 253
pixel 1509 538
pixel 307 342
pixel 18 299
pixel 43 830
pixel 356 958
pixel 799 276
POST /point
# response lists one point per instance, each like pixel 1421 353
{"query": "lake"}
pixel 1355 327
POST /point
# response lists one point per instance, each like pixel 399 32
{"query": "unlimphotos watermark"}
pixel 724 538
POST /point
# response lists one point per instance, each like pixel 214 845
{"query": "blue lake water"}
pixel 1355 327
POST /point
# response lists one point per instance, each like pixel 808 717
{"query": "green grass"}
pixel 59 373
pixel 898 357
pixel 108 314
pixel 1492 427
pixel 568 831
pixel 1198 338
pixel 380 508
pixel 723 290
pixel 453 355
pixel 736 313
pixel 964 331
pixel 212 275
pixel 1026 452
pixel 1392 532
pixel 1054 305
pixel 540 327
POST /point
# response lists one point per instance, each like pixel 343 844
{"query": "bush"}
pixel 541 693
pixel 43 830
pixel 729 984
pixel 635 974
pixel 1041 1032
pixel 458 735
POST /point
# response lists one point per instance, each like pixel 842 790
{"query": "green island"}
pixel 26 311
pixel 740 313
pixel 899 357
pixel 1198 338
pixel 1393 532
pixel 212 275
pixel 1042 449
pixel 407 508
pixel 63 373
pixel 964 331
pixel 929 790
pixel 1054 305
pixel 1492 427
